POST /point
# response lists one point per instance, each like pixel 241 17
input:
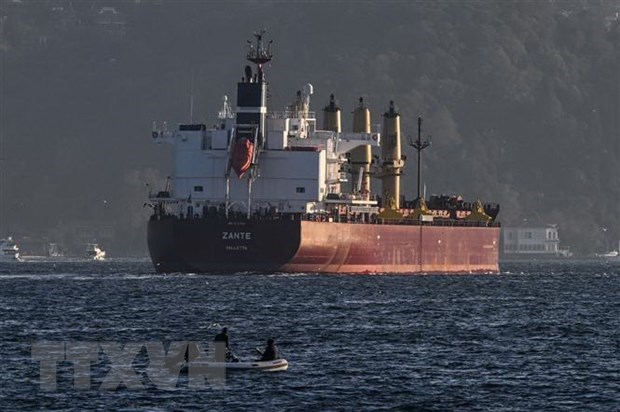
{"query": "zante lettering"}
pixel 237 235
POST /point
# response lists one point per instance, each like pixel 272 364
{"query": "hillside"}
pixel 521 98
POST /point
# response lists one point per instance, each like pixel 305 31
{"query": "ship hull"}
pixel 213 245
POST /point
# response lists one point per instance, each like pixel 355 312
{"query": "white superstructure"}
pixel 299 167
pixel 282 162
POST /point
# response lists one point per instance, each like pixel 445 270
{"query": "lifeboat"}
pixel 241 159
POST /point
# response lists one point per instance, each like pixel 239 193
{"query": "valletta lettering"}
pixel 237 247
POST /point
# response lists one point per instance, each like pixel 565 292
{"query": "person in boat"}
pixel 271 351
pixel 223 338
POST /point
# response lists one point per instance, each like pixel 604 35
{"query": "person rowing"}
pixel 270 353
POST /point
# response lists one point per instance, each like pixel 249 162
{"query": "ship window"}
pixel 300 190
pixel 197 188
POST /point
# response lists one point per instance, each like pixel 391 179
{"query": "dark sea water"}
pixel 537 337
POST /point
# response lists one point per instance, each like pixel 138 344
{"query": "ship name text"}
pixel 237 235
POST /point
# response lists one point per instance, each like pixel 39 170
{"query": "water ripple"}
pixel 539 336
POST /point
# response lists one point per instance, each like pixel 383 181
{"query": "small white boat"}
pixel 54 250
pixel 54 254
pixel 610 254
pixel 94 252
pixel 277 365
pixel 9 251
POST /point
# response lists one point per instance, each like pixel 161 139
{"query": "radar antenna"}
pixel 259 53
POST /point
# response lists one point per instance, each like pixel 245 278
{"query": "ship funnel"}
pixel 331 116
pixel 392 164
pixel 361 156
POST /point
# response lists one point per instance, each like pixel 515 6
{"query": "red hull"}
pixel 355 248
pixel 210 245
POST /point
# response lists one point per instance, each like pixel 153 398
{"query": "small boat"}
pixel 54 254
pixel 94 252
pixel 9 251
pixel 277 365
pixel 55 251
pixel 612 255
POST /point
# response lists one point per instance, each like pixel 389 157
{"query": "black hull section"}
pixel 212 245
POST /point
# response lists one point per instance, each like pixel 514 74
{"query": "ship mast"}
pixel 420 145
pixel 252 106
pixel 259 54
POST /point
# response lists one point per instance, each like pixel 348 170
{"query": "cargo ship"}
pixel 272 191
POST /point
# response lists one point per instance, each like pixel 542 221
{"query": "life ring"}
pixel 317 218
pixel 374 137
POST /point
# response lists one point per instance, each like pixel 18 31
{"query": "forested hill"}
pixel 521 98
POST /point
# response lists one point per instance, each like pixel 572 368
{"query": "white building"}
pixel 537 241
